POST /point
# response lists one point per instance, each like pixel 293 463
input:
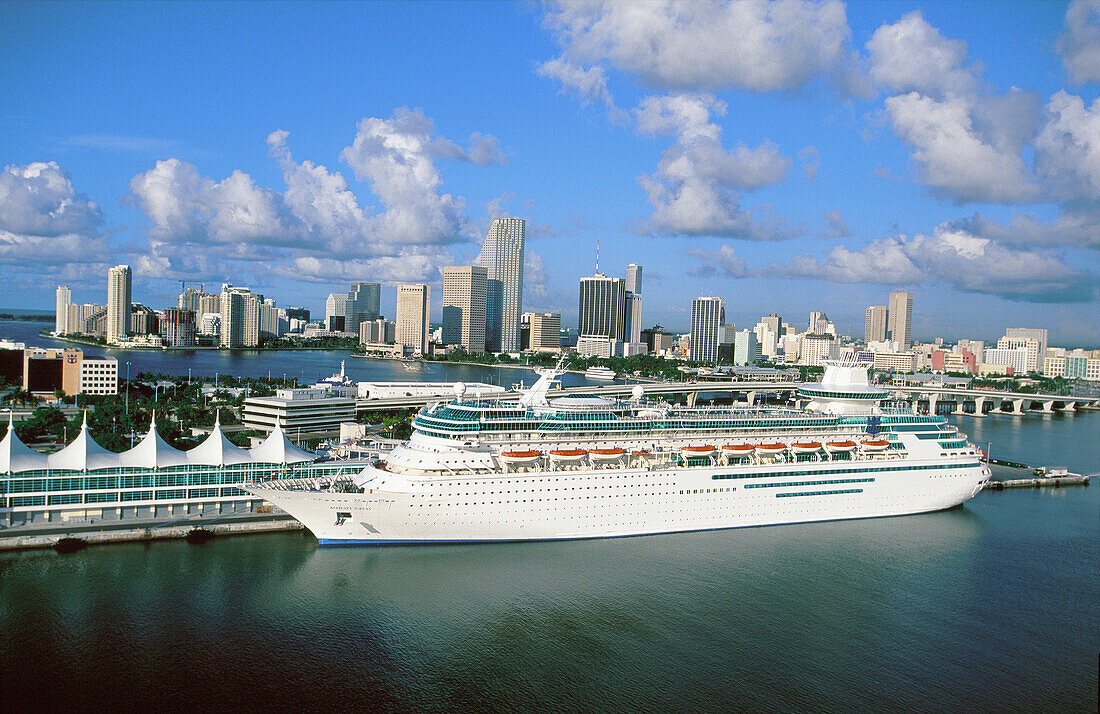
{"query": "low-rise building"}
pixel 68 370
pixel 299 411
pixel 895 361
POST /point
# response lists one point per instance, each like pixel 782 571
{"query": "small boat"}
pixel 568 455
pixel 642 453
pixel 696 452
pixel 777 448
pixel 520 457
pixel 875 445
pixel 602 374
pixel 68 544
pixel 805 447
pixel 198 536
pixel 606 454
pixel 840 447
pixel 739 449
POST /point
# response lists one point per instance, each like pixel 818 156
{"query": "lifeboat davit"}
pixel 568 455
pixel 520 457
pixel 806 447
pixel 606 454
pixel 840 447
pixel 771 448
pixel 697 452
pixel 875 445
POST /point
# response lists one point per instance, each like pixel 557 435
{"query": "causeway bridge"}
pixel 975 402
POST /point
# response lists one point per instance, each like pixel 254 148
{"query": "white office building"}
pixel 119 280
pixel 899 326
pixel 502 257
pixel 464 305
pixel 707 316
pixel 411 331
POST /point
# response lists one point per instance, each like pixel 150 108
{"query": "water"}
pixel 992 606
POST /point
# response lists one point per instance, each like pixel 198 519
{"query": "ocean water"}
pixel 992 606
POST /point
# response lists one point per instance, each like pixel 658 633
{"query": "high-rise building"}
pixel 413 302
pixel 774 323
pixel 363 303
pixel 600 315
pixel 745 350
pixel 240 317
pixel 502 257
pixel 464 303
pixel 899 325
pixel 545 331
pixel 874 324
pixel 336 305
pixel 1026 333
pixel 632 306
pixel 815 317
pixel 118 302
pixel 707 316
pixel 178 327
pixel 816 348
pixel 61 317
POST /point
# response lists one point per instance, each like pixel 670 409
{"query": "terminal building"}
pixel 299 411
pixel 84 482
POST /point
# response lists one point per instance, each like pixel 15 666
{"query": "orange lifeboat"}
pixel 806 447
pixel 875 446
pixel 697 452
pixel 776 448
pixel 739 449
pixel 606 454
pixel 568 455
pixel 520 457
pixel 840 447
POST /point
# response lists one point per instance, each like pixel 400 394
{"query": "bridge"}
pixel 979 401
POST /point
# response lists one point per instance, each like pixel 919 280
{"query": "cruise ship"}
pixel 539 468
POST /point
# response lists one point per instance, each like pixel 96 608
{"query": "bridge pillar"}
pixel 1069 407
pixel 691 397
pixel 932 402
pixel 750 397
pixel 979 405
pixel 1018 406
pixel 1048 407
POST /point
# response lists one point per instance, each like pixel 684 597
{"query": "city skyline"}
pixel 944 150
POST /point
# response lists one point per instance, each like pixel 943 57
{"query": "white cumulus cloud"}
pixel 1079 45
pixel 706 44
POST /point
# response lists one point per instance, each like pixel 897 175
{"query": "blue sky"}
pixel 788 157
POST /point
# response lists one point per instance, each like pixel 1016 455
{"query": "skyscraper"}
pixel 412 317
pixel 336 306
pixel 464 306
pixel 240 317
pixel 363 304
pixel 632 309
pixel 600 315
pixel 874 324
pixel 502 256
pixel 899 325
pixel 61 317
pixel 707 315
pixel 118 303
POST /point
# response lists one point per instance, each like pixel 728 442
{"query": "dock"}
pixel 87 537
pixel 1039 482
pixel 1037 477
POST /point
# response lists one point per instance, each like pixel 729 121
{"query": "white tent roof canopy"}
pixel 152 452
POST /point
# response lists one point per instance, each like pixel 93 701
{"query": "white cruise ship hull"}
pixel 607 503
